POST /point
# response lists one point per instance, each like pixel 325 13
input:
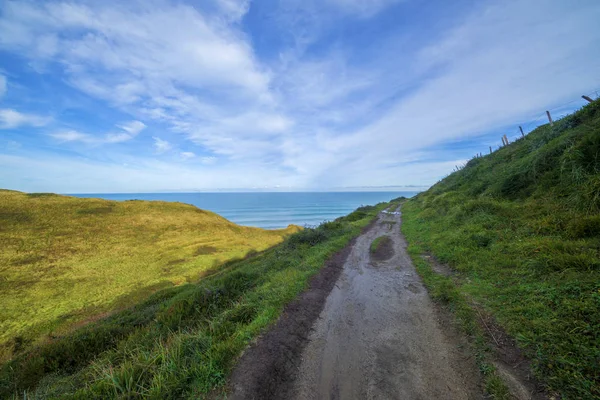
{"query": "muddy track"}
pixel 377 336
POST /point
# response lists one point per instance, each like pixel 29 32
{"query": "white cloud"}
pixel 208 160
pixel 133 127
pixel 176 42
pixel 161 146
pixel 129 131
pixel 340 116
pixel 504 64
pixel 190 67
pixel 186 155
pixel 10 119
pixel 72 136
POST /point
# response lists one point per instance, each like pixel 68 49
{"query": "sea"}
pixel 268 210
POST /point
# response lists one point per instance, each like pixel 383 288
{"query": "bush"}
pixel 359 213
pixel 307 236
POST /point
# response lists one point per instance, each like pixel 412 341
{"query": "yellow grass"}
pixel 64 260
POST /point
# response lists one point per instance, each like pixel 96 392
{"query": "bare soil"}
pixel 365 329
pixel 267 369
pixel 512 365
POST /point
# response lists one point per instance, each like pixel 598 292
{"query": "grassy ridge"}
pixel 522 229
pixel 183 341
pixel 66 259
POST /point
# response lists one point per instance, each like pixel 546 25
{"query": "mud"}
pixel 267 369
pixel 437 266
pixel 510 362
pixel 378 336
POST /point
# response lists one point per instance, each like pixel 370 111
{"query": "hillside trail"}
pixel 378 336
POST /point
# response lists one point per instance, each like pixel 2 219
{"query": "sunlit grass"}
pixel 65 260
pixel 521 229
pixel 182 342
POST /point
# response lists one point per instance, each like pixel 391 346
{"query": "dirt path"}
pixel 378 335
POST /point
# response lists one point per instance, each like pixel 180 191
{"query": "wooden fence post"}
pixel 588 99
pixel 521 129
pixel 490 149
pixel 506 140
pixel 550 118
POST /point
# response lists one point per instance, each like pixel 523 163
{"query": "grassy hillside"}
pixel 182 342
pixel 521 228
pixel 65 259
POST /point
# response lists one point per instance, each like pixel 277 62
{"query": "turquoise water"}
pixel 269 210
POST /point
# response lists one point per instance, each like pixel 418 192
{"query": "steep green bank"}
pixel 521 229
pixel 182 342
pixel 65 260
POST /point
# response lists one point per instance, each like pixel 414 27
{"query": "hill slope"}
pixel 183 341
pixel 521 229
pixel 65 259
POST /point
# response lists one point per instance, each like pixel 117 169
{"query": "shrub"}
pixel 307 236
pixel 359 213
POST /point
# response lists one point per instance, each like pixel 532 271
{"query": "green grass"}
pixel 65 260
pixel 444 290
pixel 378 242
pixel 521 229
pixel 183 341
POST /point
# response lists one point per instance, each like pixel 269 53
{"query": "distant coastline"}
pixel 269 210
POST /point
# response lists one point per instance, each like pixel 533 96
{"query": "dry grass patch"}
pixel 66 259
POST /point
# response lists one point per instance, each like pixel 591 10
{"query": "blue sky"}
pixel 161 95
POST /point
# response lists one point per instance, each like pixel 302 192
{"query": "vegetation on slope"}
pixel 521 228
pixel 182 342
pixel 65 259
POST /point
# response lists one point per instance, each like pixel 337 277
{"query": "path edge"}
pixel 267 369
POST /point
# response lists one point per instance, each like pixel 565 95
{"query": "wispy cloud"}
pixel 309 93
pixel 161 146
pixel 208 160
pixel 10 119
pixel 71 136
pixel 133 127
pixel 128 131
